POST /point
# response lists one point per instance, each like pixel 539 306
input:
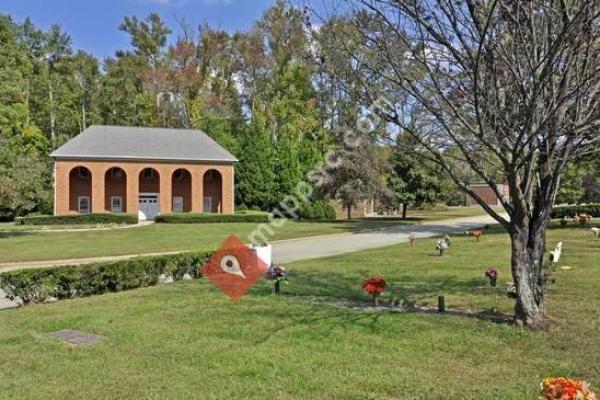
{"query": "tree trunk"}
pixel 52 112
pixel 83 116
pixel 528 244
pixel 404 206
pixel 349 212
pixel 28 113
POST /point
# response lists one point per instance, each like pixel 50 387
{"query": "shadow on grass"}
pixel 357 225
pixel 15 233
pixel 343 290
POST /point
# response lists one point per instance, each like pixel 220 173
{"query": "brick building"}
pixel 144 171
pixel 487 194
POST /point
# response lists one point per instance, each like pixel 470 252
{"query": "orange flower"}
pixel 566 389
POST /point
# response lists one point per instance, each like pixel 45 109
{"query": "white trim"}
pixel 79 198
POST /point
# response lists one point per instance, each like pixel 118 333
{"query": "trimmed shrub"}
pixel 36 285
pixel 77 219
pixel 317 210
pixel 329 211
pixel 569 211
pixel 244 216
pixel 306 211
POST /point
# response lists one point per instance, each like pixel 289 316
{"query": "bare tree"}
pixel 503 83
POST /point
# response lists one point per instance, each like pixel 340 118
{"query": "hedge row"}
pixel 317 210
pixel 36 285
pixel 187 218
pixel 90 219
pixel 570 211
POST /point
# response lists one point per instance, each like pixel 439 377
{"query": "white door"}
pixel 148 206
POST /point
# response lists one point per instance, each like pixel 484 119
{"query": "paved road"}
pixel 325 246
pixel 285 251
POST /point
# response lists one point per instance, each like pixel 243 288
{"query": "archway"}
pixel 212 183
pixel 115 190
pixel 80 190
pixel 181 187
pixel 149 192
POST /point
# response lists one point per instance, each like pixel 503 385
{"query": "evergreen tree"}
pixel 255 178
pixel 412 184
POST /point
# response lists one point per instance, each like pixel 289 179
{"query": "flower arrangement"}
pixel 412 238
pixel 374 287
pixel 492 275
pixel 277 274
pixel 441 246
pixel 447 240
pixel 566 389
pixel 511 290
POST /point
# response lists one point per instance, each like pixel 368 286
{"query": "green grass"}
pixel 27 246
pixel 21 246
pixel 187 340
pixel 443 212
pixel 7 227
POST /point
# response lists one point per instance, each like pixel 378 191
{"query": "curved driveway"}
pixel 324 246
pixel 285 251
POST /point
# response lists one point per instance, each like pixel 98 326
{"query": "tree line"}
pixel 268 94
pixel 260 93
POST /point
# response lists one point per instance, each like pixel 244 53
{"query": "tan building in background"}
pixel 364 209
pixel 488 194
pixel 143 171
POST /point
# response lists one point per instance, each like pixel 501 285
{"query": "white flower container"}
pixel 264 252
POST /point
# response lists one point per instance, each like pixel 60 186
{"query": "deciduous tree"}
pixel 516 81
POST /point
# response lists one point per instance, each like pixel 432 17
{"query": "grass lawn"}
pixel 26 246
pixel 443 212
pixel 9 227
pixel 187 340
pixel 16 245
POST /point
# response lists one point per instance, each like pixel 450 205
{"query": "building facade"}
pixel 488 194
pixel 366 208
pixel 143 171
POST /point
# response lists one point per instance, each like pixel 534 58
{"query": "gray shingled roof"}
pixel 133 143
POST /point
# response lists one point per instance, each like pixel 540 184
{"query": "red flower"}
pixel 374 286
pixel 491 273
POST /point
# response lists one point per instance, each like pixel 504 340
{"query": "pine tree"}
pixel 255 178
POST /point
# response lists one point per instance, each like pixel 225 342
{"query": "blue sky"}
pixel 93 24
